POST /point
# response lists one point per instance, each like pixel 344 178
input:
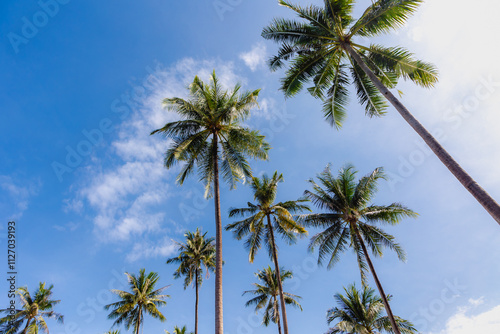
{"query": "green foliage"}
pixel 349 218
pixel 178 330
pixel 195 256
pixel 143 299
pixel 211 124
pixel 34 311
pixel 361 312
pixel 317 49
pixel 256 224
pixel 267 294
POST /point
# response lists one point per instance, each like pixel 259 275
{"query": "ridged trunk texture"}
pixel 219 324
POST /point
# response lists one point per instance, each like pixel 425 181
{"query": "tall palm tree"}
pixel 326 46
pixel 360 312
pixel 197 253
pixel 209 135
pixel 267 292
pixel 34 312
pixel 143 299
pixel 259 227
pixel 350 221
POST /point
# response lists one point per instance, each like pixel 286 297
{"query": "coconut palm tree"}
pixel 210 136
pixel 350 221
pixel 197 253
pixel 34 311
pixel 178 330
pixel 360 312
pixel 266 295
pixel 113 332
pixel 259 226
pixel 327 45
pixel 142 299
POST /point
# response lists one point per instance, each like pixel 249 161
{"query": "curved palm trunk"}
pixel 218 244
pixel 196 304
pixel 278 276
pixel 467 181
pixel 379 286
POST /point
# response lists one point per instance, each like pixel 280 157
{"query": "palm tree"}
pixel 349 221
pixel 258 226
pixel 143 299
pixel 178 330
pixel 209 135
pixel 361 312
pixel 113 332
pixel 267 292
pixel 325 48
pixel 197 253
pixel 34 312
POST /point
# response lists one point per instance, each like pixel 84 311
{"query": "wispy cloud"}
pixel 256 57
pixel 129 191
pixel 15 196
pixel 487 322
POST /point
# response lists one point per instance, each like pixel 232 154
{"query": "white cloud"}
pixel 144 250
pixel 487 322
pixel 16 196
pixel 130 194
pixel 255 57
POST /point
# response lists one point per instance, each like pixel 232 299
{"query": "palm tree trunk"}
pixel 278 316
pixel 278 276
pixel 26 327
pixel 218 244
pixel 379 286
pixel 196 304
pixel 138 322
pixel 467 181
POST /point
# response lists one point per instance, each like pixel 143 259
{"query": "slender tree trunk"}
pixel 379 286
pixel 218 244
pixel 467 181
pixel 278 316
pixel 138 323
pixel 196 304
pixel 278 275
pixel 26 327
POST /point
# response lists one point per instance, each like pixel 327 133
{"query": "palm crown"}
pixel 350 219
pixel 361 312
pixel 211 117
pixel 195 256
pixel 266 294
pixel 35 309
pixel 322 48
pixel 256 226
pixel 143 298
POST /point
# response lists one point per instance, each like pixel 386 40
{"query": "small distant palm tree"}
pixel 211 137
pixel 113 332
pixel 360 312
pixel 143 299
pixel 325 47
pixel 34 312
pixel 267 292
pixel 259 227
pixel 196 255
pixel 178 330
pixel 350 219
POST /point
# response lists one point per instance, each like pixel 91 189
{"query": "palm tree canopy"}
pixel 266 294
pixel 316 48
pixel 195 256
pixel 178 330
pixel 255 225
pixel 361 312
pixel 35 309
pixel 348 213
pixel 210 122
pixel 143 298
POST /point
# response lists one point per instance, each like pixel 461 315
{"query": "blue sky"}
pixel 84 181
